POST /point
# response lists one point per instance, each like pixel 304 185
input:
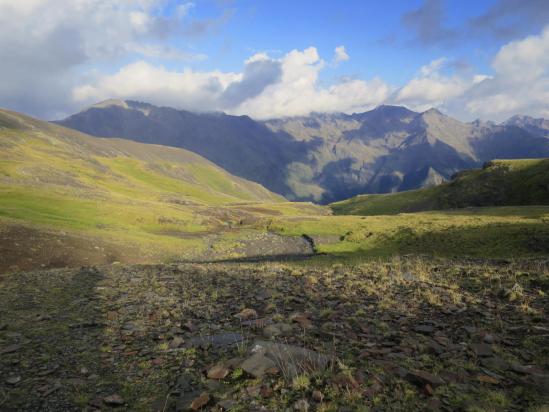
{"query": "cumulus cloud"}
pixel 155 84
pixel 433 67
pixel 298 92
pixel 258 74
pixel 266 88
pixel 431 88
pixel 58 56
pixel 47 45
pixel 340 54
pixel 520 83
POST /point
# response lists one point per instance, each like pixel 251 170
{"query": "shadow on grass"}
pixel 501 240
pixel 490 241
pixel 53 319
pixel 258 259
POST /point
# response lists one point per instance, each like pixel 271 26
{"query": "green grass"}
pixel 206 185
pixel 499 183
pixel 164 200
pixel 480 232
pixel 121 191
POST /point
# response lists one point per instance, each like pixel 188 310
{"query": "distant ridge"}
pixel 204 181
pixel 325 157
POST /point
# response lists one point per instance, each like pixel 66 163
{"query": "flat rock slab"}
pixel 257 365
pixel 9 349
pixel 216 341
pixel 495 363
pixel 424 329
pixel 291 360
pixel 278 329
pixel 482 349
pixel 418 377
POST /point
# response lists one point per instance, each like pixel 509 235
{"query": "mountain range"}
pixel 325 157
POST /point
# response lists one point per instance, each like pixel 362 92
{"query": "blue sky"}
pixel 277 58
pixel 370 30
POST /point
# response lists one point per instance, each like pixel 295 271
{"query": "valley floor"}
pixel 271 230
pixel 393 334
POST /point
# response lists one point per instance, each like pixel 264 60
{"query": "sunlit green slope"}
pixel 499 183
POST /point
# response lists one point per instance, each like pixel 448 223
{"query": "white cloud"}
pixel 477 78
pixel 431 88
pixel 143 81
pixel 520 83
pixel 257 57
pixel 267 87
pixel 290 86
pixel 340 54
pixel 433 67
pixel 48 46
pixel 524 59
pixel 59 55
pixel 299 92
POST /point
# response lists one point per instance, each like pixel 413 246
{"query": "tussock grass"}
pixel 476 232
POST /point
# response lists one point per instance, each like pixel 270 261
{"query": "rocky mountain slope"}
pixel 324 157
pixel 498 183
pixel 238 144
pixel 39 153
pixel 392 149
pixel 535 126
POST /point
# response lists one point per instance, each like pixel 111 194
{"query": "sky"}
pixel 470 59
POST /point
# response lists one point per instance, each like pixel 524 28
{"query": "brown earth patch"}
pixel 23 248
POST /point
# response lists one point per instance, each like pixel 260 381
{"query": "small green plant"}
pixel 301 382
pixel 237 374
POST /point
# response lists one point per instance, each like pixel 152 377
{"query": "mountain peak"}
pixel 537 126
pixel 145 108
pixel 110 103
pixel 518 118
pixel 433 112
pixel 392 110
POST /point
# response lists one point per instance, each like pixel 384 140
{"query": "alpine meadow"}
pixel 274 206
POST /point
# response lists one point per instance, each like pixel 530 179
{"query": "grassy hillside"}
pixel 499 183
pixel 496 232
pixel 152 200
pixel 68 199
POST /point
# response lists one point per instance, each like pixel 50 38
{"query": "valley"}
pixel 325 157
pixel 274 206
pixel 142 277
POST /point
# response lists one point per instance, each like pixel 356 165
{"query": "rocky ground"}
pixel 404 334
